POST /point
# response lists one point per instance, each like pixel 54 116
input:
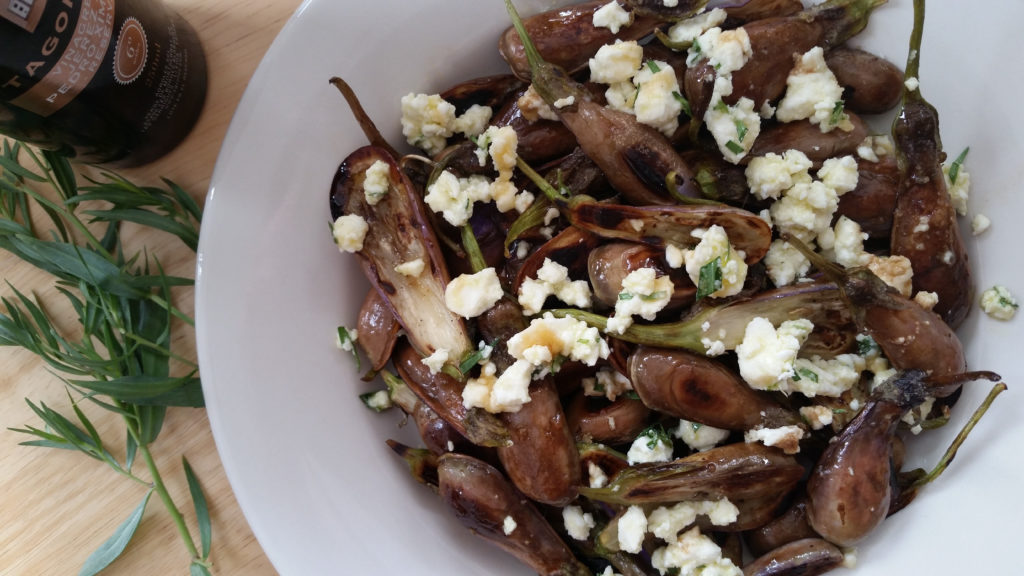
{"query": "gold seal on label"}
pixel 130 52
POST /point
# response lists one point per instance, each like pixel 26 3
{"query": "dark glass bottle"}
pixel 117 82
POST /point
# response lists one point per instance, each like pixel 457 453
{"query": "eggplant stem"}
pixel 364 120
pixel 472 248
pixel 947 458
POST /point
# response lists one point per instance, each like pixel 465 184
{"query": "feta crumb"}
pixel 508 526
pixel 643 294
pixel 691 28
pixel 612 16
pixel 980 224
pixel 912 83
pixel 726 50
pixel 699 437
pixel 578 523
pixel 817 376
pixel 667 522
pixel 926 300
pixel 766 355
pixel 376 184
pixel 693 554
pixel 632 526
pixel 674 256
pixel 470 295
pixel 533 107
pixel 817 416
pixel 769 175
pixel 597 476
pixel 567 337
pixel 507 393
pixel 412 268
pixel 349 231
pixel 652 445
pixel 563 102
pixel 453 197
pixel 713 348
pixel 618 62
pixel 553 280
pixel 960 190
pixel 608 383
pixel 784 263
pixel 435 362
pixel 346 344
pixel 715 245
pixel 849 558
pixel 814 94
pixel 839 174
pixel 999 303
pixel 427 121
pixel 895 271
pixel 655 103
pixel 786 438
pixel 734 128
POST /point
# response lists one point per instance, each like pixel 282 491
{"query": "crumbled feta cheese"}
pixel 960 190
pixel 814 94
pixel 712 347
pixel 567 337
pixel 805 210
pixel 608 383
pixel 349 232
pixel 667 522
pixel 376 184
pixel 652 445
pixel 766 355
pixel 848 244
pixel 621 96
pixel 690 29
pixel 578 523
pixel 817 376
pixel 612 16
pixel 412 268
pixel 734 128
pixel 979 224
pixel 428 121
pixel 912 83
pixel 533 107
pixel 784 263
pixel 553 280
pixel 786 438
pixel 523 250
pixel 453 197
pixel 470 295
pixel 609 572
pixel 674 256
pixel 564 102
pixel 999 303
pixel 655 103
pixel 817 416
pixel 770 175
pixel 435 362
pixel 505 393
pixel 850 558
pixel 699 437
pixel 839 174
pixel 926 300
pixel 632 526
pixel 895 271
pixel 693 554
pixel 351 335
pixel 643 294
pixel 502 150
pixel 597 476
pixel 508 526
pixel 378 401
pixel 714 246
pixel 726 50
pixel 617 62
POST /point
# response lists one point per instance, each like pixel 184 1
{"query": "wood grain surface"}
pixel 57 507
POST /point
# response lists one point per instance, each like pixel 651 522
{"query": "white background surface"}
pixel 308 462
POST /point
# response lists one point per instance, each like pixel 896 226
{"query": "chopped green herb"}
pixel 802 373
pixel 710 280
pixel 378 401
pixel 556 363
pixel 734 147
pixel 598 387
pixel 347 342
pixel 708 182
pixel 838 112
pixel 655 435
pixel 954 168
pixel 1008 303
pixel 653 296
pixel 721 107
pixel 632 395
pixel 653 66
pixel 625 296
pixel 683 102
pixel 866 345
pixel 696 426
pixel 741 129
pixel 473 358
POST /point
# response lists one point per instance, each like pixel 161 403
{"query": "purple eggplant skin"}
pixel 483 499
pixel 745 11
pixel 614 423
pixel 378 330
pixel 849 490
pixel 787 527
pixel 609 264
pixel 807 557
pixel 567 37
pixel 808 138
pixel 491 91
pixel 871 84
pixel 872 203
pixel 399 232
pixel 541 458
pixel 690 386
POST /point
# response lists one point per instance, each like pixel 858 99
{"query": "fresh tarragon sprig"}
pixel 118 358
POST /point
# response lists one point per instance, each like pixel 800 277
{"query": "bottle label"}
pixel 23 13
pixel 77 65
pixel 130 52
